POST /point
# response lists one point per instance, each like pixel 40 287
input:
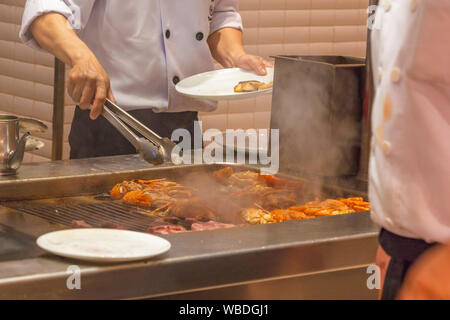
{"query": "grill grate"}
pixel 95 214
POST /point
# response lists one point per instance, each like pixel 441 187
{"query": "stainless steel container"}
pixel 317 106
pixel 12 148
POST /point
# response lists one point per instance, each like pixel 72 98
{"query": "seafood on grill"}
pixel 239 179
pixel 265 190
pixel 252 85
pixel 166 197
pixel 138 197
pixel 121 189
pixel 257 216
pixel 233 198
pixel 280 215
pixel 331 207
pixel 312 209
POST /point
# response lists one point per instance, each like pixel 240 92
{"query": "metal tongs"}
pixel 151 147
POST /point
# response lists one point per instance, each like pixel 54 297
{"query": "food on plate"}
pixel 252 85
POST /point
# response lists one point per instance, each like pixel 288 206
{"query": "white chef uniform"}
pixel 145 46
pixel 409 171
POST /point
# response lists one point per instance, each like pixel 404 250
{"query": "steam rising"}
pixel 317 107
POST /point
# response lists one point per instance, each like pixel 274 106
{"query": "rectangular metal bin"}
pixel 317 106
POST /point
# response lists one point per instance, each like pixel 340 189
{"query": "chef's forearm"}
pixel 226 46
pixel 88 83
pixel 54 34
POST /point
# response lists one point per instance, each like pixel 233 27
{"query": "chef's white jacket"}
pixel 409 185
pixel 145 46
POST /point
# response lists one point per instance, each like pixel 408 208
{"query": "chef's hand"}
pixel 253 63
pixel 429 277
pixel 88 83
pixel 227 48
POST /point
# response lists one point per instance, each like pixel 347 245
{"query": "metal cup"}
pixel 11 147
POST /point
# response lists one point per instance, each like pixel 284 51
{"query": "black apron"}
pixel 404 252
pixel 98 138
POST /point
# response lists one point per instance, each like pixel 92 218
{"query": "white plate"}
pixel 103 245
pixel 219 84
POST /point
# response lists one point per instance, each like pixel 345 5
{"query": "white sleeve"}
pixel 226 15
pixel 429 39
pixel 77 13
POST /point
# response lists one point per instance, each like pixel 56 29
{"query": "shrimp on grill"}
pixel 138 197
pixel 257 216
pixel 331 207
pixel 223 174
pixel 120 189
pixel 356 203
pixel 280 215
pixel 239 196
pixel 165 196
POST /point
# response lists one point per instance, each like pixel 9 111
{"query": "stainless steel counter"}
pixel 317 258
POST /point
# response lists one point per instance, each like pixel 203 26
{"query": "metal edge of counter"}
pixel 208 259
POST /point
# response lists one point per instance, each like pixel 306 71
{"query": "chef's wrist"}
pixel 79 54
pixel 235 57
pixel 78 58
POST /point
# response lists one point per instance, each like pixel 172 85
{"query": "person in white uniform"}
pixel 134 53
pixel 409 169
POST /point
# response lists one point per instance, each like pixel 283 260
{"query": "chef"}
pixel 410 158
pixel 134 53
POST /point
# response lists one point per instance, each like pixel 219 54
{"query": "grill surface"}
pixel 62 201
pixel 95 214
